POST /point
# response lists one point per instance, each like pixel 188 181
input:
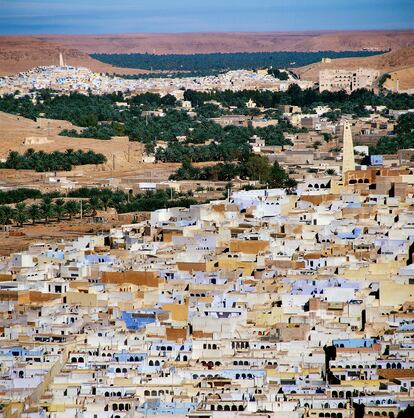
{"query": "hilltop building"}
pixel 348 80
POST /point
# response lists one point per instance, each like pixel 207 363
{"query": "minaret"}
pixel 61 63
pixel 348 158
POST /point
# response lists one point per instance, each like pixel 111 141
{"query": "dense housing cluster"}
pixel 267 304
pixel 270 275
pixel 69 78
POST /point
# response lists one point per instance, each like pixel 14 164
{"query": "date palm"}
pixel 94 204
pixel 106 200
pixel 46 209
pixel 72 208
pixel 34 213
pixel 59 208
pixel 6 214
pixel 20 214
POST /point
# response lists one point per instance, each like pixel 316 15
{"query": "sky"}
pixel 123 16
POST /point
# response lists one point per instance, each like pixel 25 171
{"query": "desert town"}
pixel 68 78
pixel 206 209
pixel 270 297
pixel 65 78
pixel 266 303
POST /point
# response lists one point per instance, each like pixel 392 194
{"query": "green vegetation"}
pixel 6 214
pixel 209 110
pixel 101 131
pixel 231 143
pixel 152 100
pixel 254 168
pixel 346 103
pixel 211 63
pixel 153 128
pixel 93 199
pixel 186 137
pixel 218 172
pixel 127 202
pixel 327 137
pixel 18 195
pixel 226 144
pixel 276 73
pixel 80 109
pixel 332 116
pixel 383 79
pixel 169 74
pixel 55 161
pixel 403 139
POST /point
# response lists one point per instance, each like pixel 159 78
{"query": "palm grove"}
pixel 100 116
pixel 54 207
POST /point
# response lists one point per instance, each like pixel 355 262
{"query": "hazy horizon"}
pixel 184 16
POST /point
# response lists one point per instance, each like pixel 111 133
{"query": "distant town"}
pixel 65 78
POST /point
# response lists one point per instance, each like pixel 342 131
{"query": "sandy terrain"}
pixel 14 130
pixel 189 43
pixel 16 134
pixel 124 157
pixel 402 59
pixel 20 238
pixel 405 79
pixel 21 53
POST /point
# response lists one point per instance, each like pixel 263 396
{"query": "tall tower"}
pixel 61 62
pixel 348 158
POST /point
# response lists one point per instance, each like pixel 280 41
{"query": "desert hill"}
pixel 18 133
pixel 190 43
pixel 21 53
pixel 405 79
pixel 400 60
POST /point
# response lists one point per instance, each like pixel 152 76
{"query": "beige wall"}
pixel 83 299
pixel 392 294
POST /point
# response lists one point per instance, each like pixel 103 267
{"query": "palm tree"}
pixel 94 204
pixel 106 200
pixel 13 160
pixel 59 208
pixel 316 144
pixel 87 209
pixel 34 213
pixel 72 208
pixel 6 214
pixel 20 214
pixel 119 197
pixel 46 209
